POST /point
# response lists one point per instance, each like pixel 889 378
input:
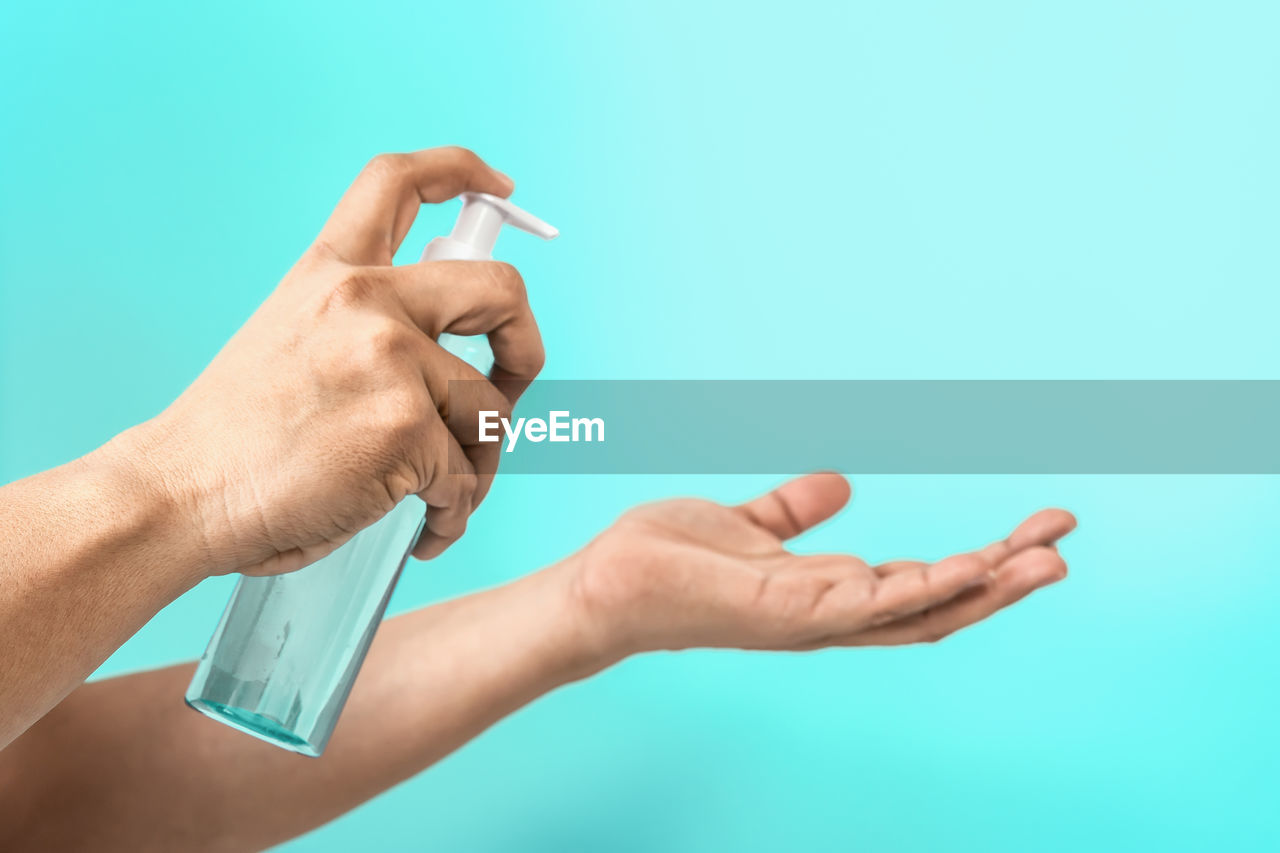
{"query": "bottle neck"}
pixel 449 249
pixel 478 225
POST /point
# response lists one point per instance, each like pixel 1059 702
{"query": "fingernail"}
pixel 506 179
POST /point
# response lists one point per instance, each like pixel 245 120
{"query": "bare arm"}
pixel 123 763
pixel 88 553
pixel 318 416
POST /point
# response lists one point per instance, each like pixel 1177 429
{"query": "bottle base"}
pixel 258 725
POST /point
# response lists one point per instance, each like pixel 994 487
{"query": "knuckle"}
pixel 509 282
pixel 354 287
pixel 401 416
pixel 496 401
pixel 459 156
pixel 885 617
pixel 401 481
pixel 467 392
pixel 320 253
pixel 371 359
pixel 537 360
pixel 925 579
pixel 530 359
pixel 467 485
pixel 383 166
pixel 503 406
pixel 449 523
pixel 388 339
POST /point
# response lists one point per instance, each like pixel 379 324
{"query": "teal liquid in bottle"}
pixel 287 650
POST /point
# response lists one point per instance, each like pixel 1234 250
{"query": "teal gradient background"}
pixel 979 190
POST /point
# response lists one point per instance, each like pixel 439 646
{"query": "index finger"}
pixel 374 215
pixel 476 298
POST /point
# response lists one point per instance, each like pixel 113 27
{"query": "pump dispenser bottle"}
pixel 287 649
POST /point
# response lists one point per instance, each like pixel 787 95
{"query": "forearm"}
pixel 123 762
pixel 89 552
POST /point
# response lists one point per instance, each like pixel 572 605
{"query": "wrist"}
pixel 575 646
pixel 151 508
pixel 598 635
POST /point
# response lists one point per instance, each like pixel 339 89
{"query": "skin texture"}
pixel 689 573
pixel 318 416
pixel 327 407
pixel 321 413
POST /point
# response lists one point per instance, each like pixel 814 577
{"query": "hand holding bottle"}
pixel 326 408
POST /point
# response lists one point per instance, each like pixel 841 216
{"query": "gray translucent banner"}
pixel 902 427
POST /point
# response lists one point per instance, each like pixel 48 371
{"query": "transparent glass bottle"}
pixel 286 652
pixel 287 649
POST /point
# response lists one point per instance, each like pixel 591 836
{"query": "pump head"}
pixel 477 228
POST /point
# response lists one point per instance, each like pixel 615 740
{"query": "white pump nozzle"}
pixel 477 228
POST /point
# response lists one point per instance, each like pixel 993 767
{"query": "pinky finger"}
pixel 1017 578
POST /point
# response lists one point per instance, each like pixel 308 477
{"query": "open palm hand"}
pixel 685 573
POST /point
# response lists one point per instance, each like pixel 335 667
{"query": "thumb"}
pixel 798 505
